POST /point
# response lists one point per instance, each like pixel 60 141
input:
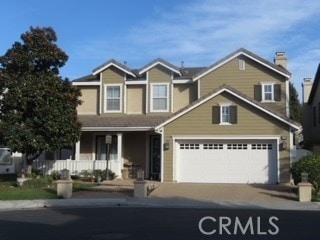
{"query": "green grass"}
pixel 10 191
pixel 15 193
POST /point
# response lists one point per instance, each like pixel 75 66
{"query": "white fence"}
pixel 74 166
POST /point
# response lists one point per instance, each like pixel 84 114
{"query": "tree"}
pixel 37 106
pixel 295 105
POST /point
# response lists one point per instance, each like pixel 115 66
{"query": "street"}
pixel 158 223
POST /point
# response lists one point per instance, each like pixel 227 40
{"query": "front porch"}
pixel 131 150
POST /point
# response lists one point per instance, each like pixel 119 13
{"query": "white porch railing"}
pixel 75 166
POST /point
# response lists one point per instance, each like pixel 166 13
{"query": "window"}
pixel 159 97
pixel 113 98
pixel 224 114
pixel 267 92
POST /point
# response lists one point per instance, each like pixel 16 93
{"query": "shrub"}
pixel 56 175
pixel 311 165
pixel 39 182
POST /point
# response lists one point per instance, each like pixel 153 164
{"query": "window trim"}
pixel 263 92
pixel 152 97
pixel 106 98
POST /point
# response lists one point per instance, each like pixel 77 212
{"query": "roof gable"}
pixel 237 94
pixel 314 85
pixel 280 70
pixel 161 62
pixel 115 64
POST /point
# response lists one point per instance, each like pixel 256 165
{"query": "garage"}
pixel 227 161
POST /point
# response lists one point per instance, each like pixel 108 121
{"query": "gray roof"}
pixel 122 121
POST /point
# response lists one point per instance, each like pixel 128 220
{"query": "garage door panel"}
pixel 228 162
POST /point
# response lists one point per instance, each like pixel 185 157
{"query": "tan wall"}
pixel 134 148
pixel 136 99
pixel 90 100
pixel 183 95
pixel 86 146
pixel 243 80
pixel 199 122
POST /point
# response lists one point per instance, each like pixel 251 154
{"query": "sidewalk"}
pixel 172 195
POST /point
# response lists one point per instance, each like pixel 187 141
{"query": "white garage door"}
pixel 227 162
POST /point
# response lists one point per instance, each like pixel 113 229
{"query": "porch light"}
pixel 140 175
pixel 166 145
pixel 304 177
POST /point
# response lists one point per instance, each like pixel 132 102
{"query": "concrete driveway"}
pixel 253 195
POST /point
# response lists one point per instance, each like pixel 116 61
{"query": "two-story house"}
pixel 311 112
pixel 226 123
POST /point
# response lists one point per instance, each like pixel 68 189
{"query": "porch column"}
pixel 77 151
pixel 119 151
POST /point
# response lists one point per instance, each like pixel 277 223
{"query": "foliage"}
pixel 295 105
pixel 56 175
pixel 38 107
pixel 98 173
pixel 38 182
pixel 311 165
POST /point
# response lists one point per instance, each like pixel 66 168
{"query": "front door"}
pixel 155 157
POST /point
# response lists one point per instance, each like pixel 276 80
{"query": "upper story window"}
pixel 159 97
pixel 113 98
pixel 267 92
pixel 225 114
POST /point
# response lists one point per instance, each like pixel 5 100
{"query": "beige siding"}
pixel 136 99
pixel 159 74
pixel 198 122
pixel 183 95
pixel 134 148
pixel 90 100
pixel 244 80
pixel 86 146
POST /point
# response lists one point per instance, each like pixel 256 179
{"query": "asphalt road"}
pixel 158 223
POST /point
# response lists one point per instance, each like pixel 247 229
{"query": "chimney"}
pixel 306 89
pixel 281 59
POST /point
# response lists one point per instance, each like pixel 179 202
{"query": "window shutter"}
pixel 277 92
pixel 216 114
pixel 233 115
pixel 258 93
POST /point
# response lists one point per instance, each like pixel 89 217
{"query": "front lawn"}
pixel 39 188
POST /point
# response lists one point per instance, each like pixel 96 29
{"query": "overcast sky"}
pixel 198 32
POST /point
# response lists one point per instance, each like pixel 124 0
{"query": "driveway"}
pixel 254 195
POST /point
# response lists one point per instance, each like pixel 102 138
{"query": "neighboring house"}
pixel 226 123
pixel 311 112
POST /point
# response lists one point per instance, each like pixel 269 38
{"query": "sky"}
pixel 197 32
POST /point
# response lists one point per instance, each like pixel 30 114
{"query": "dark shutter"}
pixel 233 115
pixel 257 92
pixel 216 114
pixel 277 92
